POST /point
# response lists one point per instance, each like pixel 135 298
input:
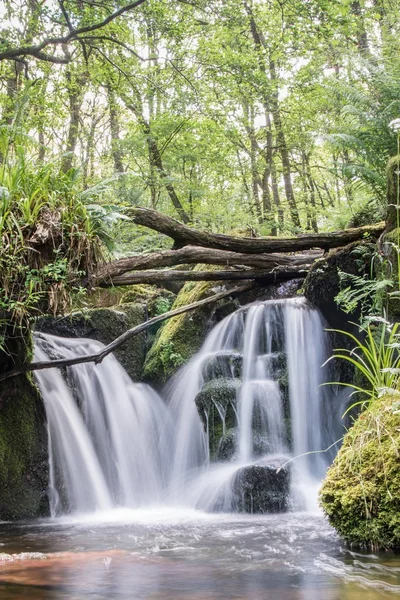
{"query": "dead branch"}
pixel 162 277
pixel 196 255
pixel 99 356
pixel 184 236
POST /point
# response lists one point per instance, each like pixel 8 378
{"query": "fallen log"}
pixel 99 356
pixel 197 255
pixel 162 277
pixel 184 236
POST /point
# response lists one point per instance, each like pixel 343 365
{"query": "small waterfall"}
pixel 108 437
pixel 247 402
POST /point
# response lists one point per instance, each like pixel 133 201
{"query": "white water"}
pixel 114 443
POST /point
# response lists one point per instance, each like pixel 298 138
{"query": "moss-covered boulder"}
pixel 361 492
pixel 23 451
pixel 228 445
pixel 181 337
pixel 23 437
pixel 216 404
pixel 105 325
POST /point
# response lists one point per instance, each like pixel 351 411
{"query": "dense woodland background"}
pixel 244 116
pixel 271 115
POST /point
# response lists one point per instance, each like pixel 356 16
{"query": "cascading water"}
pixel 116 443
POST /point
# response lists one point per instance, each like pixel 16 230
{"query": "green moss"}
pixel 361 493
pixel 180 337
pixel 23 451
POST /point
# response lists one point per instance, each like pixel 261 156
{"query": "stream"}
pixel 173 554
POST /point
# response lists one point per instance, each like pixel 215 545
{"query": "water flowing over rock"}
pixel 251 398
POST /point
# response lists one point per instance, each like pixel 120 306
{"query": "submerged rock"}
pixel 262 488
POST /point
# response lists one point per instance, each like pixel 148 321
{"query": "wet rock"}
pixel 216 404
pixel 105 325
pixel 224 365
pixel 23 441
pixel 262 488
pixel 227 447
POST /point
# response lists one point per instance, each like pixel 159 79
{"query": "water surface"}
pixel 162 554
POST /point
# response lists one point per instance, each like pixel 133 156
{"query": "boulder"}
pixel 227 446
pixel 361 492
pixel 262 488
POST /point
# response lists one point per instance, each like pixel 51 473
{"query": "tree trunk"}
pixel 187 236
pixel 163 277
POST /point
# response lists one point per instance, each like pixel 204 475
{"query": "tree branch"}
pixel 162 277
pixel 195 255
pixel 184 236
pixel 99 356
pixel 73 35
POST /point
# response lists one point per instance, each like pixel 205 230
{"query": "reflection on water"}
pixel 168 555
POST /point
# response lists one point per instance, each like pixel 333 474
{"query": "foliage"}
pixel 376 358
pixel 48 238
pixel 272 115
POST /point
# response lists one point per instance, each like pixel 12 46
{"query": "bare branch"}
pixel 99 356
pixel 73 35
pixel 162 277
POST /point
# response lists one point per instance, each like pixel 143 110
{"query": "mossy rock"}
pixel 361 492
pixel 221 392
pixel 224 365
pixel 23 451
pixel 105 325
pixel 227 447
pixel 392 192
pixel 181 337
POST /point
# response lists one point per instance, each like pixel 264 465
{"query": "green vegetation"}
pixel 361 493
pixel 180 337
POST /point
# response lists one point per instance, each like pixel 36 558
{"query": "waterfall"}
pixel 248 401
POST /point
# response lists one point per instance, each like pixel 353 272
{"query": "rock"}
pixel 105 325
pixel 227 446
pixel 223 365
pixel 217 396
pixel 181 337
pixel 262 488
pixel 322 283
pixel 361 492
pixel 23 442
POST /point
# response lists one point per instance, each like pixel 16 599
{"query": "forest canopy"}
pixel 271 116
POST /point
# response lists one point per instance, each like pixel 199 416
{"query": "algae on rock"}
pixel 23 439
pixel 361 492
pixel 181 337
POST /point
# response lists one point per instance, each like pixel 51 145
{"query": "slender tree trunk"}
pixel 283 149
pixel 114 130
pixel 75 87
pixel 156 162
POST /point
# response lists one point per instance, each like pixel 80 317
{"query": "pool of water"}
pixel 179 555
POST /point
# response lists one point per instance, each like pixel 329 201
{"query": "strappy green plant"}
pixel 376 358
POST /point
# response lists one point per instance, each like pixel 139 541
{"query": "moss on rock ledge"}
pixel 23 451
pixel 180 337
pixel 361 493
